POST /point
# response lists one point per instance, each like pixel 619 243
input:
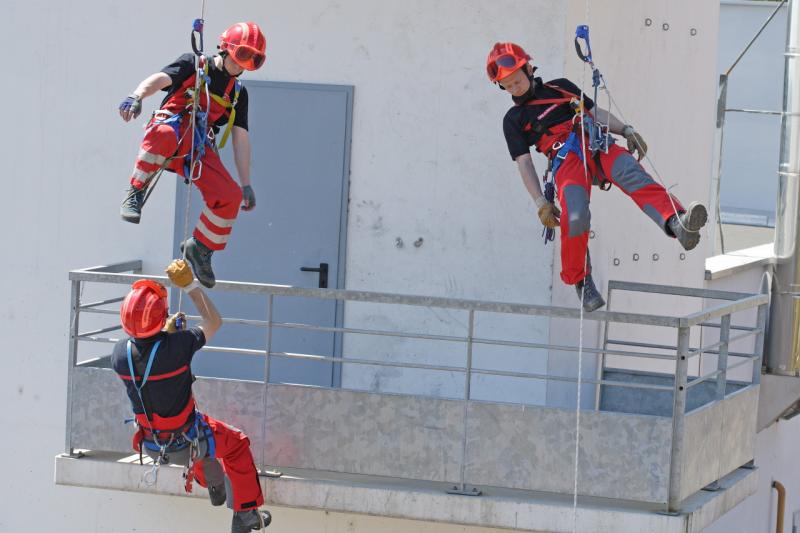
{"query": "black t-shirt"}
pixel 520 122
pixel 183 67
pixel 164 397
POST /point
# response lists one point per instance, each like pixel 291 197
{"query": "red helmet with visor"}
pixel 505 59
pixel 144 309
pixel 246 45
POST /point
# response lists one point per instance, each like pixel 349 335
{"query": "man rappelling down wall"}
pixel 154 365
pixel 168 143
pixel 555 118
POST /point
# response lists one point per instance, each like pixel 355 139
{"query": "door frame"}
pixel 348 91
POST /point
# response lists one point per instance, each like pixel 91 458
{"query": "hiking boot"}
pixel 217 495
pixel 131 210
pixel 686 226
pixel 199 255
pixel 253 520
pixel 591 296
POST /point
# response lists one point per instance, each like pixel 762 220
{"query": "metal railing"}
pixel 680 353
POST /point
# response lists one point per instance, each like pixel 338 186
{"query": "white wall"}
pixel 776 459
pixel 664 83
pixel 428 160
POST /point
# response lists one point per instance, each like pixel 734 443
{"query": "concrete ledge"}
pixel 426 501
pixel 721 266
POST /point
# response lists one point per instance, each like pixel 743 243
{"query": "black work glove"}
pixel 249 198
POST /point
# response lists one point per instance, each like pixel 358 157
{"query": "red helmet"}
pixel 505 59
pixel 144 309
pixel 246 45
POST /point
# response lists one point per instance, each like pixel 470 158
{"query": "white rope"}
pixel 580 327
pixel 192 162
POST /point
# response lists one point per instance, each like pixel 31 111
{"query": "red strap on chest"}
pixel 568 96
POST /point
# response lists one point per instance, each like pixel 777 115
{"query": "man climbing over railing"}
pixel 555 118
pixel 154 364
pixel 168 142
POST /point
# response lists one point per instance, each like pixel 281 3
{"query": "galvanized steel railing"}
pixel 681 352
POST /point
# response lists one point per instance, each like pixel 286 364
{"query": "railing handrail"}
pixel 752 300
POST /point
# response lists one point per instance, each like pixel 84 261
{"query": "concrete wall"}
pixel 776 458
pixel 428 160
pixel 663 81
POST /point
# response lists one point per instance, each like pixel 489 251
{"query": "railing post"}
pixel 467 383
pixel 758 346
pixel 72 359
pixel 678 412
pixel 270 307
pixel 722 359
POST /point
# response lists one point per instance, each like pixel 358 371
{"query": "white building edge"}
pixel 68 154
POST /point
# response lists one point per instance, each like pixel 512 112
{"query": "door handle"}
pixel 323 274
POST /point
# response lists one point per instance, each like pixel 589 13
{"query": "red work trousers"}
pixel 233 451
pixel 574 189
pixel 221 194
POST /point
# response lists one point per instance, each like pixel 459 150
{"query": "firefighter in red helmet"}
pixel 547 116
pixel 167 142
pixel 154 364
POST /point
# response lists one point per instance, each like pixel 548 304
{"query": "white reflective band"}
pixel 190 287
pixel 216 220
pixel 211 236
pixel 154 159
pixel 141 175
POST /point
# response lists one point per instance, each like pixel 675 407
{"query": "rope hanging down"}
pixel 198 129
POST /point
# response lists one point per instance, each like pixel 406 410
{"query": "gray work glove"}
pixel 636 144
pixel 131 107
pixel 248 197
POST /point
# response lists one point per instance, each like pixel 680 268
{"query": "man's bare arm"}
pixel 530 178
pixel 152 84
pixel 211 320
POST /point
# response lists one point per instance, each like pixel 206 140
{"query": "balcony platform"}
pixel 427 501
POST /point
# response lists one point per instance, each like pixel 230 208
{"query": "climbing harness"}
pixel 164 442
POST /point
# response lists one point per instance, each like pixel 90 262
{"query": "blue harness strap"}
pixel 572 144
pixel 147 369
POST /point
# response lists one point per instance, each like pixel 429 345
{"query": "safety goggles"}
pixel 248 56
pixel 505 61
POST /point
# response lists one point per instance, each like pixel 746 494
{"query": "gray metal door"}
pixel 300 135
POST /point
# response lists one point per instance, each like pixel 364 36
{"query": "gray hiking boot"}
pixel 591 296
pixel 253 520
pixel 131 210
pixel 199 255
pixel 686 226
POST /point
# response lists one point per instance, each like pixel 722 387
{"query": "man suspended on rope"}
pixel 545 115
pixel 154 365
pixel 167 143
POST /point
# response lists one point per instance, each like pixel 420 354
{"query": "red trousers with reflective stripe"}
pixel 233 451
pixel 221 194
pixel 574 189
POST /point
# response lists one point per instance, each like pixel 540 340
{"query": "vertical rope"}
pixel 192 162
pixel 579 381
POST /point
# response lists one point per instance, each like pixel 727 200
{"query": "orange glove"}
pixel 180 274
pixel 548 214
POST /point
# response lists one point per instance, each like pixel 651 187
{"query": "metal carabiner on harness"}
pixel 582 32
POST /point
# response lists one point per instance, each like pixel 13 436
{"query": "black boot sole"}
pixel 131 219
pixel 195 269
pixel 696 216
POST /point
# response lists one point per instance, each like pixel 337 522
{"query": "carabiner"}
pixel 582 32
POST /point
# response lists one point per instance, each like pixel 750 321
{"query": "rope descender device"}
pixel 599 137
pixel 197 36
